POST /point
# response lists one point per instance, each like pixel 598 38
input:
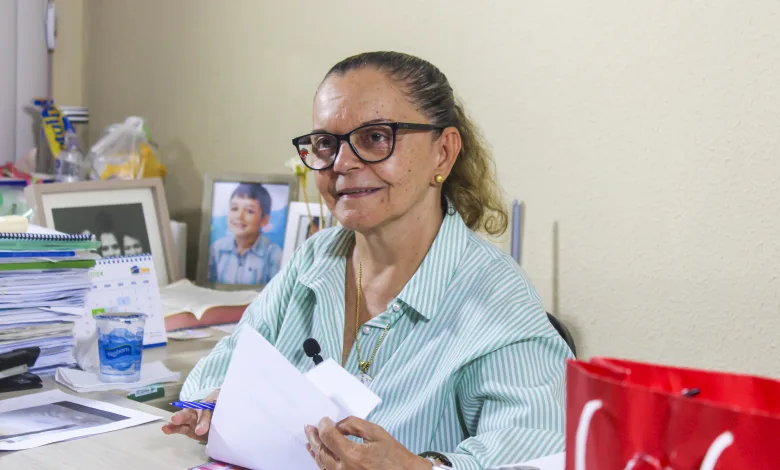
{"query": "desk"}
pixel 179 356
pixel 138 448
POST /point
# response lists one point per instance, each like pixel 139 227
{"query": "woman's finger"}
pixel 185 418
pixel 322 455
pixel 174 429
pixel 334 441
pixel 361 428
pixel 204 423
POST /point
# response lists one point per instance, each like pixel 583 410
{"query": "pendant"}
pixel 365 379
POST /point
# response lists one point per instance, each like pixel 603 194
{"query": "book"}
pixel 186 305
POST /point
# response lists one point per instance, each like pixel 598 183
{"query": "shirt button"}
pixel 366 330
pixel 396 307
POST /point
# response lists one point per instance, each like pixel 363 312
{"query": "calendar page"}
pixel 129 284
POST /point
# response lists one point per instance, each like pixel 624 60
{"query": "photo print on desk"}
pixel 128 217
pixel 243 229
pixel 28 423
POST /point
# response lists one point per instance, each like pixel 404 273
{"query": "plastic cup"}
pixel 120 346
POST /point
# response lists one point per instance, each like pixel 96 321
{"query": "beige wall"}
pixel 647 132
pixel 68 63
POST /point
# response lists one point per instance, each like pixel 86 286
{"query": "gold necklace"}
pixel 365 365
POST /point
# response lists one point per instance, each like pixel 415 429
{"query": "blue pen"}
pixel 194 405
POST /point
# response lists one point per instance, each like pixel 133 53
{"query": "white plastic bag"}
pixel 125 152
pixel 85 334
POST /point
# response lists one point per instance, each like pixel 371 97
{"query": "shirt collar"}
pixel 256 247
pixel 425 289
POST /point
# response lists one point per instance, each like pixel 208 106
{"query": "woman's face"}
pixel 131 246
pixel 365 196
pixel 246 217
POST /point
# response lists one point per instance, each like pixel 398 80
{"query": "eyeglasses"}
pixel 372 143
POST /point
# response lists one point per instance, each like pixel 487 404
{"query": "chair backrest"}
pixel 564 332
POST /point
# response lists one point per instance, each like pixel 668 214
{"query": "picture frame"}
pixel 240 246
pixel 298 226
pixel 129 217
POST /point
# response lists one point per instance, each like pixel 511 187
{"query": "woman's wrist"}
pixel 423 463
pixel 436 460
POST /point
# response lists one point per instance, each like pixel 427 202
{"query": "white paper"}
pixel 32 228
pixel 551 462
pixel 184 296
pixel 55 416
pixel 185 335
pixel 229 328
pixel 81 381
pixel 344 389
pixel 264 404
pixel 49 342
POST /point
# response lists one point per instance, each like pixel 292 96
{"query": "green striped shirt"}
pixel 470 367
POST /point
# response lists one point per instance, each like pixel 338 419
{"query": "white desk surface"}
pixel 142 447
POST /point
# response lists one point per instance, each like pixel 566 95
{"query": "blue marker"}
pixel 194 405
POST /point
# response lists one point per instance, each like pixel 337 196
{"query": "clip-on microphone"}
pixel 312 349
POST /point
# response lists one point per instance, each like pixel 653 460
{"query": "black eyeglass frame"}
pixel 346 137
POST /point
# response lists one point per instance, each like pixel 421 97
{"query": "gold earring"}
pixel 439 179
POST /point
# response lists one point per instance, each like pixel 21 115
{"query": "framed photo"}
pixel 300 228
pixel 242 236
pixel 128 217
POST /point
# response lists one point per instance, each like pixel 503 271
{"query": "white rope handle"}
pixel 720 444
pixel 583 428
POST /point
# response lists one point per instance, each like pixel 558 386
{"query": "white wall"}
pixel 648 131
pixel 23 73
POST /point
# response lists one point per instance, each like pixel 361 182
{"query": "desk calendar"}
pixel 129 284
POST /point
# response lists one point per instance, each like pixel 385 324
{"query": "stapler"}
pixel 14 368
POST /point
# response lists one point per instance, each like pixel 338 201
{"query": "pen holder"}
pixel 120 345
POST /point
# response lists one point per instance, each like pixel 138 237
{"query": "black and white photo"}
pixel 128 218
pixel 120 228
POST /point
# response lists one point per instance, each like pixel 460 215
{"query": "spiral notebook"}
pixel 39 239
pixel 129 284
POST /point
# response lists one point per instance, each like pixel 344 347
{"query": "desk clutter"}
pixel 44 281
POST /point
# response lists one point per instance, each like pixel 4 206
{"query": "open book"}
pixel 186 305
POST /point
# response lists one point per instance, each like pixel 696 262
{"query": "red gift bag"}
pixel 623 415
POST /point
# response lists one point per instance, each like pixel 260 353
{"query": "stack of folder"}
pixel 44 281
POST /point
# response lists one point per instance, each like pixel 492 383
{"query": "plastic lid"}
pixel 120 316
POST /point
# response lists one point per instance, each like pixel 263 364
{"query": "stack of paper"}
pixel 81 381
pixel 265 402
pixel 43 285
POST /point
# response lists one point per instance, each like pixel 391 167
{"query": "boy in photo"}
pixel 245 255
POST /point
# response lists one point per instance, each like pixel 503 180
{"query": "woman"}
pixel 245 255
pixel 442 325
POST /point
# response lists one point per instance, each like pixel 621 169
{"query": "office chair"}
pixel 564 332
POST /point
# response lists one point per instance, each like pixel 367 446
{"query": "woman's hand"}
pixel 192 423
pixel 333 451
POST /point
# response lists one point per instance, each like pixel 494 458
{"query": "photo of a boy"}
pixel 244 255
